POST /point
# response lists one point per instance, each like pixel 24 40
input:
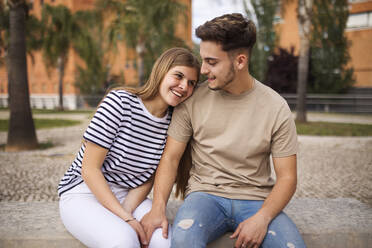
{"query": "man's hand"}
pixel 140 232
pixel 153 220
pixel 251 232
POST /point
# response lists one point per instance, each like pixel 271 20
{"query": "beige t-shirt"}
pixel 232 138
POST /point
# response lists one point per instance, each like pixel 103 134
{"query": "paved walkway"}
pixel 328 167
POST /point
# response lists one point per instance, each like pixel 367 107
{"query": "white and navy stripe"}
pixel 134 138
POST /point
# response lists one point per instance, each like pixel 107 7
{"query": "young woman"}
pixel 103 193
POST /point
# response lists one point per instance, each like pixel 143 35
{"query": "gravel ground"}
pixel 328 167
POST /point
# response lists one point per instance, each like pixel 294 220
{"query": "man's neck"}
pixel 242 83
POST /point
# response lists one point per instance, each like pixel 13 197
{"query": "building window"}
pixel 356 1
pixel 360 20
pixel 33 88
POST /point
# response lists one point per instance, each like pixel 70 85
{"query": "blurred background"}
pixel 59 57
pixel 76 49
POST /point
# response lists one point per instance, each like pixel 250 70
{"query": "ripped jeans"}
pixel 203 218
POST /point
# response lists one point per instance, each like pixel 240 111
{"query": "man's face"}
pixel 216 65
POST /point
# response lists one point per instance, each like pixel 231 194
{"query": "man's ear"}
pixel 241 61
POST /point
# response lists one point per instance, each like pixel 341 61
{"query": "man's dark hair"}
pixel 232 31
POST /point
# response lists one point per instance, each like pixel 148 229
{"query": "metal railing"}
pixel 346 103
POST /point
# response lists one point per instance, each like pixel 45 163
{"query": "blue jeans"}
pixel 203 218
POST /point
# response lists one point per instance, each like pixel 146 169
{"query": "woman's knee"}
pixel 158 241
pixel 125 240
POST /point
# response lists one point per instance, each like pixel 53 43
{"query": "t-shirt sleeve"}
pixel 180 127
pixel 284 140
pixel 105 123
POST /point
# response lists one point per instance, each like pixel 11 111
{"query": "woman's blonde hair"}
pixel 177 56
pixel 183 172
pixel 172 57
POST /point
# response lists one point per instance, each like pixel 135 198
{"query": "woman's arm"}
pixel 91 172
pixel 137 195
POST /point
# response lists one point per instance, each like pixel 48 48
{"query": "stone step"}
pixel 328 223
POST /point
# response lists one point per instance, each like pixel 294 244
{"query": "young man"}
pixel 233 123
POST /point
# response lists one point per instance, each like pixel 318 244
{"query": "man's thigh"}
pixel 281 232
pixel 200 219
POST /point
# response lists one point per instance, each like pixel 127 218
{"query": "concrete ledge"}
pixel 327 223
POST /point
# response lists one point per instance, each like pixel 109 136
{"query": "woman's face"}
pixel 178 84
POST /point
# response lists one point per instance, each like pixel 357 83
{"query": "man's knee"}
pixel 284 233
pixel 180 238
pixel 186 233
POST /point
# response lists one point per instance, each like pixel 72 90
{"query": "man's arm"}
pixel 137 195
pixel 164 179
pixel 252 231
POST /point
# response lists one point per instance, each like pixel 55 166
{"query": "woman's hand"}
pixel 140 231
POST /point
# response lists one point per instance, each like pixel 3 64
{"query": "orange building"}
pixel 43 85
pixel 358 32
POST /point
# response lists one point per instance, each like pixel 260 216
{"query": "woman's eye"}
pixel 192 83
pixel 179 76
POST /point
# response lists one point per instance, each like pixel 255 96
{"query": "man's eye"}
pixel 211 62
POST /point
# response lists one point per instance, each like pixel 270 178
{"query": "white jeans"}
pixel 95 226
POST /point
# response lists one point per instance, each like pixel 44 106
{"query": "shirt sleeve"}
pixel 284 139
pixel 105 123
pixel 180 127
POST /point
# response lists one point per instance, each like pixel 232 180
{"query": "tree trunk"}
pixel 304 17
pixel 303 69
pixel 140 49
pixel 21 132
pixel 61 73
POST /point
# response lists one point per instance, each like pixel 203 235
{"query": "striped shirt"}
pixel 134 138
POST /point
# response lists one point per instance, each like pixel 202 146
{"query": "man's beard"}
pixel 229 78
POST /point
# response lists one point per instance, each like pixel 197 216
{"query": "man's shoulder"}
pixel 200 92
pixel 201 89
pixel 268 95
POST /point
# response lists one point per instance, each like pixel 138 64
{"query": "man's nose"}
pixel 204 69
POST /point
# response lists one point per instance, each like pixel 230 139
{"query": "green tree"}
pixel 4 31
pixel 329 48
pixel 21 131
pixel 60 29
pixel 148 26
pixel 33 33
pixel 264 11
pixel 91 48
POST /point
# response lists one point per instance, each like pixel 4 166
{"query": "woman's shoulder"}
pixel 123 95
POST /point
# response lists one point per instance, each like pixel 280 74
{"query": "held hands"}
pixel 139 230
pixel 153 220
pixel 251 232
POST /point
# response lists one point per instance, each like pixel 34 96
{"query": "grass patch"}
pixel 53 111
pixel 42 146
pixel 43 123
pixel 333 129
